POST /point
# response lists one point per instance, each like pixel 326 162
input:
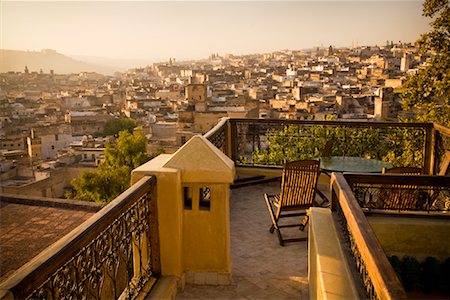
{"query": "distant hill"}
pixel 14 60
pixel 120 64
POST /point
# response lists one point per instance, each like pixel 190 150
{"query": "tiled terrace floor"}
pixel 26 230
pixel 261 268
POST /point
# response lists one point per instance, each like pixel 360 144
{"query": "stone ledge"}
pixel 51 202
pixel 329 274
pixel 165 288
pixel 208 278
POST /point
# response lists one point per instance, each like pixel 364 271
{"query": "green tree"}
pixel 114 126
pixel 429 89
pixel 112 176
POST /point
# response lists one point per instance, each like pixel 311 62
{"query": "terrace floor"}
pixel 261 268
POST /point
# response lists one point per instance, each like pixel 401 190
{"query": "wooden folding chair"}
pixel 445 164
pixel 400 196
pixel 298 190
pixel 402 170
pixel 326 152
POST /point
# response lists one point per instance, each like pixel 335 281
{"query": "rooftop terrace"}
pixel 175 222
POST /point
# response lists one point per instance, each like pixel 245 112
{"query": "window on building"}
pixel 53 147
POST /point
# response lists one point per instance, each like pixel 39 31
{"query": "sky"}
pixel 156 30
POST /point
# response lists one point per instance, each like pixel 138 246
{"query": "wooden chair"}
pixel 326 152
pixel 298 190
pixel 445 164
pixel 402 170
pixel 399 196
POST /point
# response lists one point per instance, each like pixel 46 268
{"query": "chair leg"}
pixel 271 213
pixel 304 222
pixel 280 238
pixel 272 228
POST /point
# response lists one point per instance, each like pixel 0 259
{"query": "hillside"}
pixel 13 60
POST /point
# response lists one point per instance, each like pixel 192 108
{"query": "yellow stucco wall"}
pixel 414 236
pixel 206 233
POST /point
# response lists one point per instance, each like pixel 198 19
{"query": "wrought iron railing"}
pixel 113 254
pixel 268 143
pixel 218 136
pixel 377 275
pixel 396 192
pixel 271 142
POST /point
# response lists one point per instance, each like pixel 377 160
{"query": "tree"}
pixel 429 89
pixel 398 146
pixel 112 176
pixel 114 126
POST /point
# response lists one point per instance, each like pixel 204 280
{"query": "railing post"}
pixel 227 137
pixel 233 139
pixel 154 234
pixel 429 155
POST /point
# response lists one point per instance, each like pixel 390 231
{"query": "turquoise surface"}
pixel 352 164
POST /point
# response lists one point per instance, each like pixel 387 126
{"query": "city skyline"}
pixel 154 31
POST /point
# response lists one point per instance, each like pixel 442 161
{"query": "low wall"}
pixel 329 273
pixel 417 236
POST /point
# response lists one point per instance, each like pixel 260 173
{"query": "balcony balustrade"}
pixel 114 253
pixel 267 143
pixel 354 196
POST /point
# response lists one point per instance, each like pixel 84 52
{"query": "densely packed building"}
pixel 54 122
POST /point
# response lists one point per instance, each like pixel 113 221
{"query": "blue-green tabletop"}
pixel 352 164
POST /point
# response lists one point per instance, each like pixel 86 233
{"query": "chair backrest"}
pixel 400 196
pixel 299 183
pixel 445 164
pixel 327 148
pixel 403 170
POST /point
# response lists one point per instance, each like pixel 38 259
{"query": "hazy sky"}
pixel 157 30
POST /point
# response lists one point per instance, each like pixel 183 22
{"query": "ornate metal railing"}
pixel 377 275
pixel 113 254
pixel 268 143
pixel 218 136
pixel 396 192
pixel 271 142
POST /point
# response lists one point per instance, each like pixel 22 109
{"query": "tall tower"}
pixel 196 95
pixel 330 50
pixel 405 62
pixel 383 103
